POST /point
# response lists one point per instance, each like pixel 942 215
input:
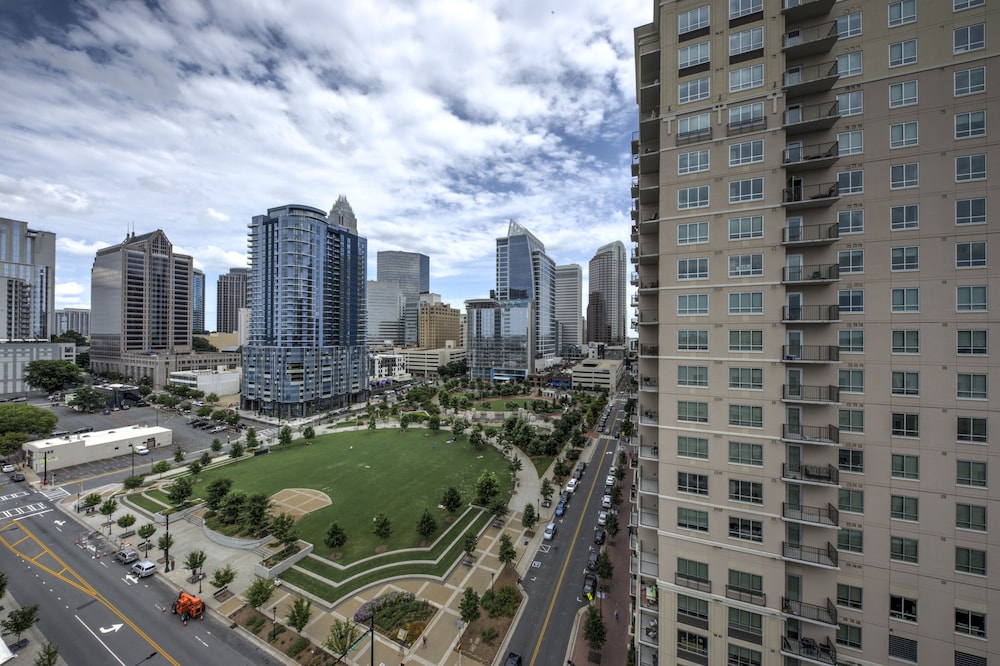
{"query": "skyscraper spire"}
pixel 342 214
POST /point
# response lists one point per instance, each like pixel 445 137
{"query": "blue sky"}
pixel 438 119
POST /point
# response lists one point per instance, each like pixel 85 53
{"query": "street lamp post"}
pixel 166 542
pixel 274 622
pixel 132 448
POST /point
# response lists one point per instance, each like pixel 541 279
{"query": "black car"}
pixel 577 475
pixel 599 536
pixel 17 476
pixel 592 559
pixel 513 659
pixel 581 466
pixel 607 490
pixel 589 584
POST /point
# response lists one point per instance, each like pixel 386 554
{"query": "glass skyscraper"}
pixel 412 272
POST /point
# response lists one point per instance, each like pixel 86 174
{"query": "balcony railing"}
pixel 700 584
pixel 799 119
pixel 809 80
pixel 824 557
pixel 812 274
pixel 746 125
pixel 648 285
pixel 645 564
pixel 800 10
pixel 810 314
pixel 649 383
pixel 825 474
pixel 649 452
pixel 691 136
pixel 810 158
pixel 746 596
pixel 649 485
pixel 810 612
pixel 810 196
pixel 824 435
pixel 649 350
pixel 811 41
pixel 815 394
pixel 810 234
pixel 810 353
pixel 810 650
pixel 827 516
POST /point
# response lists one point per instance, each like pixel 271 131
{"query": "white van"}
pixel 144 568
pixel 550 531
pixel 141 449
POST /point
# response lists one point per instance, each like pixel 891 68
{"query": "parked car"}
pixel 513 659
pixel 550 532
pixel 17 476
pixel 581 466
pixel 141 449
pixel 610 480
pixel 592 559
pixel 144 568
pixel 606 501
pixel 602 518
pixel 589 584
pixel 600 536
pixel 607 490
pixel 572 484
pixel 561 508
pixel 127 556
pixel 7 468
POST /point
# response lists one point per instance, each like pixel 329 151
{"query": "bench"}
pixel 18 645
pixel 127 534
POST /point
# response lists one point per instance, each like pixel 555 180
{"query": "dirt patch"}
pixel 333 557
pixel 472 643
pixel 285 639
pixel 297 502
pixel 380 549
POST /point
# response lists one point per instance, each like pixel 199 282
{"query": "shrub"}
pixel 297 647
pixel 371 607
pixel 502 602
pixel 490 636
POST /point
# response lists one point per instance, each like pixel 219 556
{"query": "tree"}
pixel 383 527
pixel 216 445
pixel 487 488
pixel 236 450
pixel 476 437
pixel 132 482
pixel 180 490
pixel 469 606
pixel 434 422
pixel 223 577
pixel 51 376
pixel 200 344
pixel 205 460
pixel 285 435
pixel 426 526
pixel 178 455
pixel 260 591
pixel 126 521
pixel 611 525
pixel 108 509
pixel 594 630
pixel 603 568
pixel 342 635
pixel 469 542
pixel 283 529
pixel 231 507
pixel 546 489
pixel 252 443
pixel 507 553
pixel 20 620
pixel 215 491
pixel 145 532
pixel 165 542
pixel 299 614
pixel 515 465
pixel 458 426
pixel 451 500
pixel 195 561
pixel 195 468
pixel 160 467
pixel 11 443
pixel 616 495
pixel 87 399
pixel 336 537
pixel 498 508
pixel 308 432
pixel 47 656
pixel 254 517
pixel 26 419
pixel 529 518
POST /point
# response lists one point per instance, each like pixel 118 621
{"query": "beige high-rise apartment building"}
pixel 816 302
pixel 438 322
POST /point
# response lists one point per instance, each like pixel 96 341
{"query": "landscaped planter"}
pixel 232 542
pixel 262 570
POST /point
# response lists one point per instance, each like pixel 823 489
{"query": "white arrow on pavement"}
pixel 60 523
pixel 114 627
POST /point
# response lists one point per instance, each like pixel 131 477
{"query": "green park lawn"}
pixel 365 473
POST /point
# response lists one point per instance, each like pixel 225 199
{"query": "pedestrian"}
pixel 616 615
pixel 424 638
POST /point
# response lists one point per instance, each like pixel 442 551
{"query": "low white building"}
pixel 596 374
pixel 222 381
pixel 54 453
pixel 425 362
pixel 382 367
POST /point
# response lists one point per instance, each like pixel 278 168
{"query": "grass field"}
pixel 365 473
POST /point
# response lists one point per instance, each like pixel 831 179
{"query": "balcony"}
pixel 648 317
pixel 649 95
pixel 809 650
pixel 747 125
pixel 646 253
pixel 648 655
pixel 810 314
pixel 645 564
pixel 634 279
pixel 798 235
pixel 810 158
pixel 824 615
pixel 649 518
pixel 828 435
pixel 820 557
pixel 649 453
pixel 809 80
pixel 802 197
pixel 815 40
pixel 649 384
pixel 810 354
pixel 649 125
pixel 746 596
pixel 814 274
pixel 649 350
pixel 827 516
pixel 694 136
pixel 810 395
pixel 649 485
pixel 649 190
pixel 649 157
pixel 795 11
pixel 700 584
pixel 648 417
pixel 800 119
pixel 825 475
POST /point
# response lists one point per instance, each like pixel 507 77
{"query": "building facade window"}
pixel 692 304
pixel 849 25
pixel 904 508
pixel 749 189
pixel 970 124
pixel 692 375
pixel 971 298
pixel 695 54
pixel 906 341
pixel 851 460
pixel 746 416
pixel 904 217
pixel 903 53
pixel 904 135
pixel 904 258
pixel 692 519
pixel 746 529
pixel 902 94
pixel 971 429
pixel 850 103
pixel 903 549
pixel 751 492
pixel 746 152
pixel 959 5
pixel 905 466
pixel 851 381
pixel 692 197
pixel 696 484
pixel 745 41
pixel 970 517
pixel 849 635
pixel 970 81
pixel 746 265
pixel 851 182
pixel 905 425
pixel 903 12
pixel 692 91
pixel 694 126
pixel 851 261
pixel 746 341
pixel 850 500
pixel 693 161
pixel 969 38
pixel 970 561
pixel 746 378
pixel 747 302
pixel 692 447
pixel 973 341
pixel 692 412
pixel 906 299
pixel 902 608
pixel 692 269
pixel 851 143
pixel 849 64
pixel 696 19
pixel 972 386
pixel 970 255
pixel 742 228
pixel 692 340
pixel 970 622
pixel 851 300
pixel 970 167
pixel 746 453
pixel 851 540
pixel 692 233
pixel 850 596
pixel 970 211
pixel 904 175
pixel 851 341
pixel 851 221
pixel 905 383
pixel 971 473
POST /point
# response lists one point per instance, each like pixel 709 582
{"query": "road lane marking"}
pixel 98 638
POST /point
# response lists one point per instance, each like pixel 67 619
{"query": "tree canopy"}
pixel 51 376
pixel 87 399
pixel 18 417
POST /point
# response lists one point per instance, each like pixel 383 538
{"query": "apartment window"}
pixel 905 466
pixel 851 381
pixel 746 341
pixel 851 221
pixel 692 269
pixel 746 302
pixel 746 265
pixel 905 382
pixel 746 115
pixel 905 425
pixel 692 197
pixel 903 549
pixel 692 519
pixel 851 182
pixel 738 8
pixel 694 412
pixel 970 517
pixel 851 341
pixel 745 78
pixel 746 152
pixel 692 233
pixel 692 607
pixel 743 656
pixel 745 41
pixel 904 217
pixel 850 143
pixel 971 429
pixel 970 81
pixel 971 473
pixel 906 341
pixel 851 500
pixel 849 25
pixel 692 340
pixel 904 175
pixel 745 621
pixel 750 189
pixel 971 298
pixel 902 94
pixel 746 529
pixel 850 103
pixel 746 378
pixel 743 581
pixel 692 91
pixel 970 167
pixel 849 64
pixel 746 453
pixel 905 258
pixel 688 641
pixel 692 570
pixel 904 508
pixel 851 300
pixel 849 635
pixel 970 255
pixel 851 460
pixel 969 622
pixel 746 416
pixel 902 12
pixel 851 420
pixel 973 341
pixel 692 304
pixel 850 596
pixel 851 541
pixel 851 261
pixel 959 5
pixel 971 385
pixel 695 54
pixel 692 447
pixel 746 491
pixel 692 162
pixel 692 375
pixel 903 53
pixel 972 123
pixel 692 483
pixel 902 608
pixel 970 211
pixel 694 126
pixel 741 228
pixel 696 19
pixel 970 561
pixel 903 135
pixel 906 299
pixel 970 38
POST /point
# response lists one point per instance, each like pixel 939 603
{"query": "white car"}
pixel 571 486
pixel 602 518
pixel 550 531
pixel 610 481
pixel 7 468
pixel 606 501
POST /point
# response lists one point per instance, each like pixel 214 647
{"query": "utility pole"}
pixel 166 551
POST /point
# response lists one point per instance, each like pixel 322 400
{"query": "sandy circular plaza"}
pixel 297 502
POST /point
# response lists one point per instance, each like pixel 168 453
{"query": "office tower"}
pixel 606 307
pixel 198 300
pixel 411 271
pixel 27 281
pixel 810 182
pixel 439 322
pixel 231 296
pixel 569 308
pixel 386 308
pixel 307 299
pixel 73 319
pixel 483 337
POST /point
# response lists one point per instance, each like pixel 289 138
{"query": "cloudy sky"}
pixel 438 119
